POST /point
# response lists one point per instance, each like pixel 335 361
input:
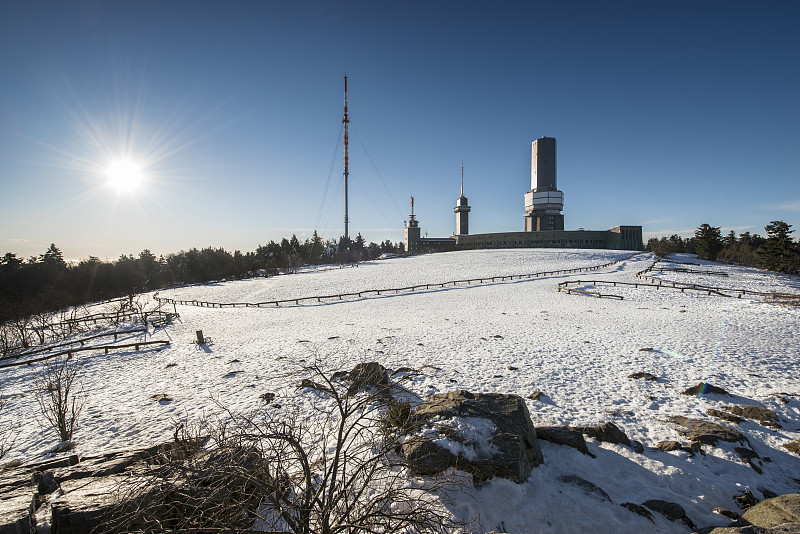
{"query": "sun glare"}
pixel 124 175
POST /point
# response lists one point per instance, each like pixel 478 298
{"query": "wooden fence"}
pixel 68 343
pixel 106 348
pixel 658 283
pixel 318 299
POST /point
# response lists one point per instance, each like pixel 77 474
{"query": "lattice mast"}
pixel 346 121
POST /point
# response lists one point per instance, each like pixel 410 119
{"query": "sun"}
pixel 124 175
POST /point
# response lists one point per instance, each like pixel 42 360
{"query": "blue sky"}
pixel 666 114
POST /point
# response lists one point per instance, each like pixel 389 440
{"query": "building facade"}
pixel 543 220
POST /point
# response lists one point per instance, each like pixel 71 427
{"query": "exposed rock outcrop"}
pixel 706 432
pixel 564 435
pixel 778 515
pixel 486 434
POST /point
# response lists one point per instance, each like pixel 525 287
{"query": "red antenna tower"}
pixel 345 121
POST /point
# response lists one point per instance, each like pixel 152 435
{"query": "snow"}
pixel 578 350
pixel 475 433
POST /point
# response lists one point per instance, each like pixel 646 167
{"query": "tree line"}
pixel 48 282
pixel 775 252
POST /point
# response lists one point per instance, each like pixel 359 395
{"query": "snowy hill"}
pixel 513 336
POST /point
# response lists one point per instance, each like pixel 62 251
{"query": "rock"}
pixel 161 398
pixel 587 487
pixel 789 528
pixel 724 415
pixel 704 388
pixel 748 455
pixel 705 431
pixel 746 500
pixel 774 512
pixel 793 446
pixel 45 483
pixel 371 375
pixel 510 452
pixel 564 435
pixel 267 397
pixel 607 432
pixel 730 514
pixel 310 384
pixel 762 415
pixel 670 510
pixel 669 446
pixel 536 395
pixel 642 374
pixel 641 510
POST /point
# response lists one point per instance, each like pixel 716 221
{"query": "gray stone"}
pixel 642 374
pixel 746 500
pixel 370 374
pixel 730 514
pixel 669 446
pixel 774 512
pixel 564 435
pixel 670 510
pixel 536 395
pixel 705 431
pixel 607 432
pixel 638 509
pixel 514 439
pixel 724 415
pixel 704 388
pixel 788 528
pixel 587 487
pixel 763 415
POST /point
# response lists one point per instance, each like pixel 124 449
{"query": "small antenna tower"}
pixel 345 121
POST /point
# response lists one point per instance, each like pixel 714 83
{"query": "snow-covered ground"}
pixel 578 350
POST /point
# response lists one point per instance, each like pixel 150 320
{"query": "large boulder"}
pixel 779 515
pixel 774 512
pixel 486 434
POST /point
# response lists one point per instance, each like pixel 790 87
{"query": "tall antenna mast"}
pixel 345 121
pixel 462 177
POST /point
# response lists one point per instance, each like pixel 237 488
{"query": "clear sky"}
pixel 666 114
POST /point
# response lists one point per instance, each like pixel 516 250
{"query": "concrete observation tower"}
pixel 462 209
pixel 544 202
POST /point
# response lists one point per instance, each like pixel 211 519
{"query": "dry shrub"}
pixel 333 471
pixel 60 395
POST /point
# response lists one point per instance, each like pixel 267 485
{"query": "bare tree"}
pixel 60 395
pixel 8 433
pixel 329 472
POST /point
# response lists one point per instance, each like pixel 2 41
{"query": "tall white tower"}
pixel 462 209
pixel 544 202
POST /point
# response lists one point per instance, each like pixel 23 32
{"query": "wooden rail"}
pixel 719 290
pixel 161 343
pixel 81 341
pixel 388 291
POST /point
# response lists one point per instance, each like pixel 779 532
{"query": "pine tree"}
pixel 779 252
pixel 707 242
